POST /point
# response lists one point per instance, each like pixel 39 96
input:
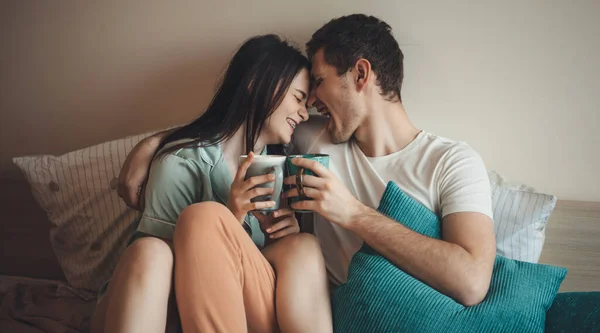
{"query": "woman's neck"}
pixel 236 144
pixel 234 147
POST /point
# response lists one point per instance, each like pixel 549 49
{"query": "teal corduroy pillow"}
pixel 574 312
pixel 380 297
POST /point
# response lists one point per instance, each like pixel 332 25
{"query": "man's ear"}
pixel 362 73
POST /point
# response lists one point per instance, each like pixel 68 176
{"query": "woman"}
pixel 227 277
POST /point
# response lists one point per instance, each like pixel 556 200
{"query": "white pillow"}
pixel 90 223
pixel 520 217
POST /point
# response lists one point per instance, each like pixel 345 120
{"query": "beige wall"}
pixel 518 80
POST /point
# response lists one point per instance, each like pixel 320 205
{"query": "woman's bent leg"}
pixel 223 283
pixel 302 292
pixel 137 296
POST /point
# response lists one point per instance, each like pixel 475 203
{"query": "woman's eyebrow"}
pixel 303 93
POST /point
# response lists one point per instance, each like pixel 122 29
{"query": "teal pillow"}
pixel 574 312
pixel 380 297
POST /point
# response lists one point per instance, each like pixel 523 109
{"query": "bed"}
pixel 36 297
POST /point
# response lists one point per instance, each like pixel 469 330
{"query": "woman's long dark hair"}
pixel 253 86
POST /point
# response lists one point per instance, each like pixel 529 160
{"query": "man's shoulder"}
pixel 435 141
pixel 447 149
pixel 460 176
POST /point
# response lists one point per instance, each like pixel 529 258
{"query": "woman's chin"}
pixel 286 140
pixel 281 141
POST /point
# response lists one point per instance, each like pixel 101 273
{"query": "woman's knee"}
pixel 299 250
pixel 149 254
pixel 304 243
pixel 201 209
pixel 200 219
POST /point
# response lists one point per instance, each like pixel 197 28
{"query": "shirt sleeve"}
pixel 172 186
pixel 464 185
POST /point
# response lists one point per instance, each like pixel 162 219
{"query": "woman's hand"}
pixel 279 223
pixel 242 191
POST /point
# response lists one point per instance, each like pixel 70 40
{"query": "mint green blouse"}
pixel 184 177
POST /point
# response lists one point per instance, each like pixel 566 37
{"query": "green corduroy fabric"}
pixel 574 312
pixel 379 297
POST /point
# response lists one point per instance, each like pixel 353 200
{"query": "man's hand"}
pixel 331 199
pixel 134 173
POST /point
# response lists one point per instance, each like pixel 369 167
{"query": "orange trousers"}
pixel 223 283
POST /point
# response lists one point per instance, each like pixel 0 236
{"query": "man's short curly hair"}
pixel 347 39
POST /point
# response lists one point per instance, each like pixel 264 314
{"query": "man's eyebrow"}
pixel 303 93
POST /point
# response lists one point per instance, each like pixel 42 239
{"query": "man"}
pixel 357 78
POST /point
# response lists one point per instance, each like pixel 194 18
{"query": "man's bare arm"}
pixel 459 266
pixel 134 173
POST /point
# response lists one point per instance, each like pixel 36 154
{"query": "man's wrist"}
pixel 360 214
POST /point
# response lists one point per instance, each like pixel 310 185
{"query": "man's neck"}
pixel 386 130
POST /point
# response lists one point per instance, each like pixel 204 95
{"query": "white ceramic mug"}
pixel 268 164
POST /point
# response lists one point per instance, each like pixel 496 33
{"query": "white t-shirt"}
pixel 443 175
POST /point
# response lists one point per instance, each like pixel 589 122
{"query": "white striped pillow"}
pixel 520 217
pixel 90 223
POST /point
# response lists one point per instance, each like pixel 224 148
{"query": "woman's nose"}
pixel 303 113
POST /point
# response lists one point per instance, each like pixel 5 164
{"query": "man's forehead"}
pixel 313 72
pixel 317 64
